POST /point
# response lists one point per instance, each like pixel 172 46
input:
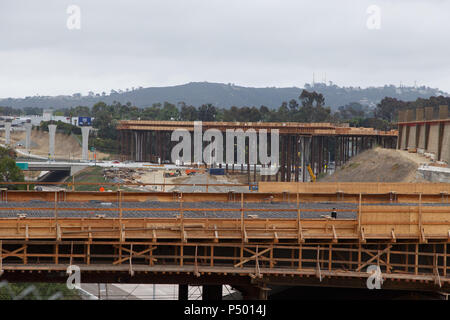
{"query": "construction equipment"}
pixel 311 173
pixel 217 171
pixel 172 173
pixel 191 172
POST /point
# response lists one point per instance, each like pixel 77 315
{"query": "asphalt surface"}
pixel 44 209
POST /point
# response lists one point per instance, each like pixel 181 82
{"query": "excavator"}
pixel 311 173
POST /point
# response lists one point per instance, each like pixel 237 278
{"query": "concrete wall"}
pixel 445 153
pixel 418 121
pixel 403 142
pixel 412 137
pixel 422 137
pixel 433 139
pixel 434 174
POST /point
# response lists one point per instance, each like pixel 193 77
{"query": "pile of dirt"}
pixel 379 165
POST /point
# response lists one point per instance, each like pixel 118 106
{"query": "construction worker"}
pixel 334 213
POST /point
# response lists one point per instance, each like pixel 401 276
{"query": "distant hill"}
pixel 226 95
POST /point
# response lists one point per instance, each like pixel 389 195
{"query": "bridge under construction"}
pixel 282 235
pixel 300 144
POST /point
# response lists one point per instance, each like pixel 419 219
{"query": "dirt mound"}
pixel 379 165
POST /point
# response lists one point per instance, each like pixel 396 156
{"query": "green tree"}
pixel 169 112
pixel 188 113
pixel 207 112
pixel 9 171
pixel 388 109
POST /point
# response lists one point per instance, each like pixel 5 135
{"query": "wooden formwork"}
pixel 409 241
pixel 420 222
pixel 355 187
pixel 400 264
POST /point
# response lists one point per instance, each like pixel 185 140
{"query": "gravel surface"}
pixel 204 209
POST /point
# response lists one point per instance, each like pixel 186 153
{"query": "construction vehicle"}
pixel 172 173
pixel 311 173
pixel 191 172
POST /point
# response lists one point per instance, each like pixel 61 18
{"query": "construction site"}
pixel 324 221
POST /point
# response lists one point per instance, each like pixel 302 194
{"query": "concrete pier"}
pixel 51 140
pixel 85 142
pixel 7 133
pixel 28 127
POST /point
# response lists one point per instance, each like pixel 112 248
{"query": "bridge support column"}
pixel 85 142
pixel 28 127
pixel 212 292
pixel 183 290
pixel 7 133
pixel 51 142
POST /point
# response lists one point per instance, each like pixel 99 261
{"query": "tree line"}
pixel 309 107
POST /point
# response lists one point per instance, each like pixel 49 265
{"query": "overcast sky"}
pixel 124 44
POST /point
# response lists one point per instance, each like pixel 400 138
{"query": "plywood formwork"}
pixel 402 265
pixel 355 187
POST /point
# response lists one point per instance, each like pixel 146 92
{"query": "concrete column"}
pixel 7 133
pixel 412 143
pixel 85 142
pixel 51 140
pixel 28 127
pixel 433 140
pixel 445 154
pixel 403 142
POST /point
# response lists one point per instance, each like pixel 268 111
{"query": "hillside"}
pixel 226 95
pixel 379 165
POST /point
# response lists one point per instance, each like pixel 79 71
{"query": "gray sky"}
pixel 259 43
